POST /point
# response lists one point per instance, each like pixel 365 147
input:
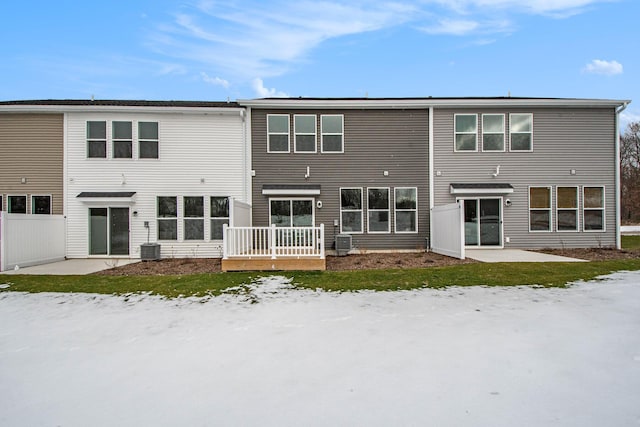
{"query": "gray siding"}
pixel 31 147
pixel 374 141
pixel 563 139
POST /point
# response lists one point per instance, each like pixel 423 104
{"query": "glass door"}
pixel 483 222
pixel 108 231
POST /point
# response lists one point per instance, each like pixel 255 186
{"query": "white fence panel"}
pixel 240 214
pixel 447 235
pixel 30 239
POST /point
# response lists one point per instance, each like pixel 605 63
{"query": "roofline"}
pixel 69 106
pixel 416 103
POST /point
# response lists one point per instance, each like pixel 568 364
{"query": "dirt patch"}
pixel 595 254
pixel 180 266
pixel 351 262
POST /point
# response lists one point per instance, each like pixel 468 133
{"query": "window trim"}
pixel 323 133
pixel 291 200
pixel 549 209
pixel 105 140
pixel 296 133
pixel 395 210
pixel 530 150
pixel 176 218
pixel 456 133
pixel 211 217
pixel 201 218
pixel 576 209
pixel 388 210
pixel 603 209
pixel 361 210
pixel 503 133
pixel 288 133
pixel 139 140
pixel 26 205
pixel 50 204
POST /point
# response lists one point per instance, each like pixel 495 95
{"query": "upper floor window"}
pixel 539 208
pixel 219 216
pixel 378 210
pixel 351 210
pixel 493 132
pixel 97 140
pixel 122 140
pixel 17 204
pixel 593 208
pixel 332 129
pixel 41 205
pixel 278 133
pixel 567 208
pixel 148 140
pixel 466 132
pixel 406 211
pixel 304 128
pixel 521 132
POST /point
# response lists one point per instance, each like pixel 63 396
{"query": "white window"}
pixel 291 212
pixel 406 209
pixel 593 208
pixel 304 129
pixel 466 132
pixel 122 140
pixel 567 208
pixel 167 218
pixel 97 140
pixel 539 208
pixel 193 218
pixel 351 210
pixel 219 216
pixel 378 208
pixel 41 205
pixel 493 132
pixel 148 140
pixel 277 133
pixel 17 204
pixel 332 128
pixel 521 132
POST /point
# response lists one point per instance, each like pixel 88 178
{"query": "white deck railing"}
pixel 274 242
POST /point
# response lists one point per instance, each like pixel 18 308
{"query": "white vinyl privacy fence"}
pixel 447 233
pixel 30 239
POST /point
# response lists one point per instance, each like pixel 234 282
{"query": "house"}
pixel 523 172
pixel 165 172
pixel 31 159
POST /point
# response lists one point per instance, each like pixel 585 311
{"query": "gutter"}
pixel 619 110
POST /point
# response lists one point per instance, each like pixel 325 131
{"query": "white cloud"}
pixel 452 27
pixel 629 116
pixel 263 92
pixel 607 68
pixel 217 81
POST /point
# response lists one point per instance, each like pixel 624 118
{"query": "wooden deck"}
pixel 269 264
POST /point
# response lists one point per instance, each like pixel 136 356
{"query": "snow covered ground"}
pixel 269 355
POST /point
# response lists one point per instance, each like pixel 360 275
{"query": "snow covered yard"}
pixel 455 357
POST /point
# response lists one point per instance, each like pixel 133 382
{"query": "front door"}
pixel 108 231
pixel 483 222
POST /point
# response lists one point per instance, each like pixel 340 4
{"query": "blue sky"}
pixel 214 50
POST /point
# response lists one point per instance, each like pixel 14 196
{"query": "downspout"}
pixel 431 179
pixel 617 177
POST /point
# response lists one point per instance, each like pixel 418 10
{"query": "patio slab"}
pixel 515 255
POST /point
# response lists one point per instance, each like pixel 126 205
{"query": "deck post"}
pixel 322 241
pixel 273 241
pixel 225 241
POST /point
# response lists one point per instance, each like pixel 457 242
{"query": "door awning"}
pixel 291 190
pixel 481 188
pixel 107 196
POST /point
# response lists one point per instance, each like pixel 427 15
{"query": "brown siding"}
pixel 563 139
pixel 31 147
pixel 374 141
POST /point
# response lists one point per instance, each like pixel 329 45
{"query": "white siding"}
pixel 199 155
